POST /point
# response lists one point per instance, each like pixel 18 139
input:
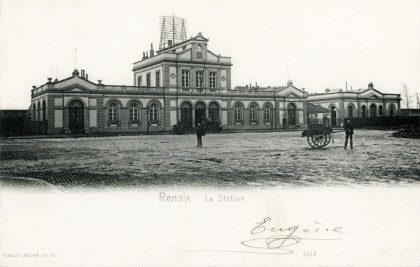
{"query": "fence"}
pixel 18 122
pixel 385 122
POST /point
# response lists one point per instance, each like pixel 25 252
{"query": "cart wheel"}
pixel 318 140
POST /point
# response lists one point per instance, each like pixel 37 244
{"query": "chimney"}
pixel 147 54
pixel 99 81
pixel 152 52
pixel 169 43
pixel 289 83
pixel 143 57
pixel 49 80
pixel 82 73
pixel 86 76
pixel 75 73
pixel 370 85
pixel 33 86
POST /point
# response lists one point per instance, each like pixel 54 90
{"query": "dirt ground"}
pixel 240 159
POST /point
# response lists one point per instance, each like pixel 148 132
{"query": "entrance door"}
pixel 291 112
pixel 186 115
pixel 373 111
pixel 200 113
pixel 333 117
pixel 76 117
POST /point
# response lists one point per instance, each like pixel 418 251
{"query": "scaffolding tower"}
pixel 172 31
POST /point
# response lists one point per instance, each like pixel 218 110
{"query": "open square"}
pixel 226 160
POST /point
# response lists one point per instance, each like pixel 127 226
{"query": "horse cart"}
pixel 318 135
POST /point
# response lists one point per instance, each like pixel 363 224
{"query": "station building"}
pixel 185 84
pixel 182 84
pixel 361 103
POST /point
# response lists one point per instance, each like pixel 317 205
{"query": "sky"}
pixel 316 44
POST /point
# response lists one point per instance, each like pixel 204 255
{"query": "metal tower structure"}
pixel 172 31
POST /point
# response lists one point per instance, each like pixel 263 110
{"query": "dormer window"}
pixel 199 52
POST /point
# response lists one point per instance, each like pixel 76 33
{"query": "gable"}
pixel 200 38
pixel 211 56
pixel 374 96
pixel 371 93
pixel 185 54
pixel 76 90
pixel 75 82
pixel 291 91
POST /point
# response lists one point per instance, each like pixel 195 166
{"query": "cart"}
pixel 318 135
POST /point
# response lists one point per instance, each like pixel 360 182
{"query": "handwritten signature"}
pixel 278 240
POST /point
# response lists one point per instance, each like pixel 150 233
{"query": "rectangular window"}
pixel 185 78
pixel 267 113
pixel 212 79
pixel 139 80
pixel 148 80
pixel 134 112
pixel 157 78
pixel 199 79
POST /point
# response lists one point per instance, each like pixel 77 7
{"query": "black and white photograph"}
pixel 209 133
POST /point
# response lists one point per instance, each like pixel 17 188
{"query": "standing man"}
pixel 200 133
pixel 348 128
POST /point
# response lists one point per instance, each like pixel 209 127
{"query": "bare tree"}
pixel 406 95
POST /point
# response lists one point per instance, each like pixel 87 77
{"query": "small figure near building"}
pixel 200 133
pixel 349 129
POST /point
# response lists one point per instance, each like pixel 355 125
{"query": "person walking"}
pixel 348 128
pixel 200 133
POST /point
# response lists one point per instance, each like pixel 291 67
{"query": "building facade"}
pixel 184 84
pixel 361 103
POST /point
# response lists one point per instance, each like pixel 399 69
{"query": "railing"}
pixel 161 90
pixel 39 90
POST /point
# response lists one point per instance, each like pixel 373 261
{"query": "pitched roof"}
pixel 317 109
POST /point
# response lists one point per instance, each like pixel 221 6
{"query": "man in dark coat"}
pixel 200 133
pixel 348 128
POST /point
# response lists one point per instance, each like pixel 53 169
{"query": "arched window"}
pixel 363 111
pixel 391 110
pixel 380 111
pixel 113 112
pixel 350 111
pixel 154 112
pixel 238 113
pixel 134 112
pixel 186 115
pixel 214 112
pixel 373 113
pixel 267 112
pixel 200 113
pixel 253 112
pixel 291 111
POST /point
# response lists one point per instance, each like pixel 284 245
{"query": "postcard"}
pixel 209 133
